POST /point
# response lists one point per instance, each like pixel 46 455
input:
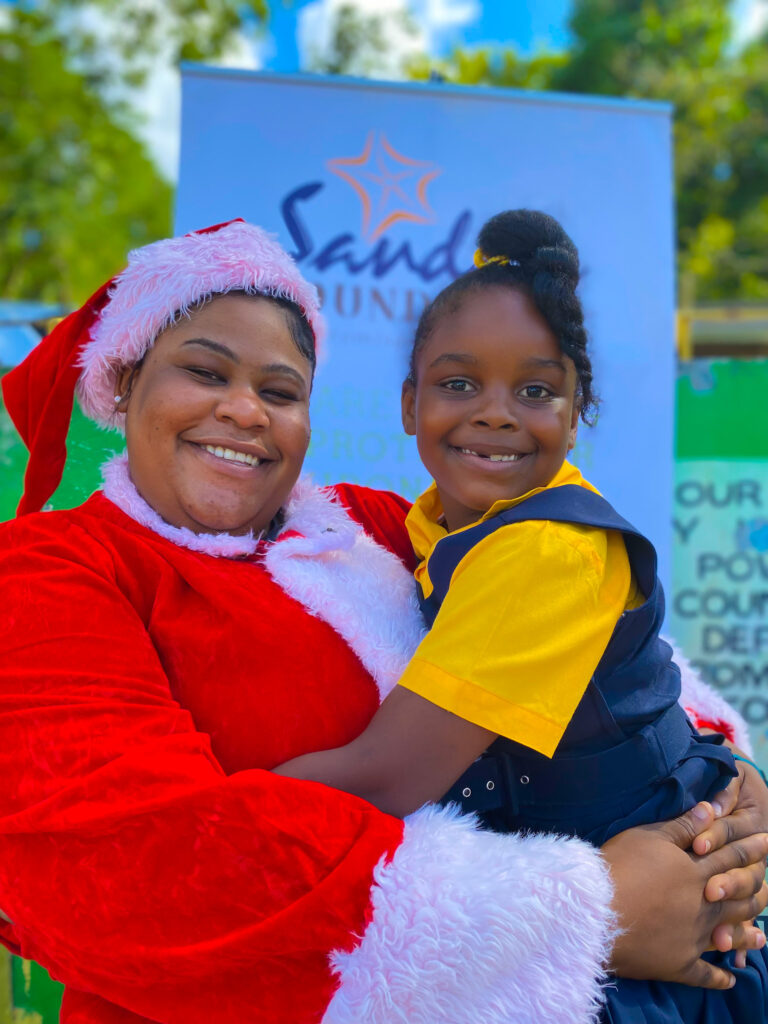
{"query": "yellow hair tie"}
pixel 481 260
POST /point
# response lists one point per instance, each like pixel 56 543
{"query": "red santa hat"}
pixel 120 322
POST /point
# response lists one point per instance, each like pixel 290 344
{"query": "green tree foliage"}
pixel 77 189
pixel 137 32
pixel 680 51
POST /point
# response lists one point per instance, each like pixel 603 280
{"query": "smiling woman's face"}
pixel 217 417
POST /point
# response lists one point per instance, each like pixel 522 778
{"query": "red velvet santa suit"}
pixel 149 860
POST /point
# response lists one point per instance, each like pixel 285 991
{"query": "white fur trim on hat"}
pixel 163 280
pixel 470 926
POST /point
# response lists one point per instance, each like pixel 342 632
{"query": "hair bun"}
pixel 555 260
pixel 534 239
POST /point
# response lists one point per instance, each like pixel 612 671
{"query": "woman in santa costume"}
pixel 207 616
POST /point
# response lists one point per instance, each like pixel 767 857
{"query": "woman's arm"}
pixel 131 865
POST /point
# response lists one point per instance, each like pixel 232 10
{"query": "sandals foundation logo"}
pixel 391 187
pixel 391 190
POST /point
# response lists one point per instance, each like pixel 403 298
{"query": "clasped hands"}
pixel 692 884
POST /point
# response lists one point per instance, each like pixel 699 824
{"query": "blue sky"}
pixel 447 23
pixel 529 26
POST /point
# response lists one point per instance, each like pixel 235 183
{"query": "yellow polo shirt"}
pixel 526 619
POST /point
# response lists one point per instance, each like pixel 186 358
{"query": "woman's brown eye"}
pixel 202 374
pixel 284 396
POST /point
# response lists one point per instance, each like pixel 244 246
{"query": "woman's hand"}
pixel 666 919
pixel 740 810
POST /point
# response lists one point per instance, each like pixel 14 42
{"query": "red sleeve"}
pixel 382 515
pixel 131 865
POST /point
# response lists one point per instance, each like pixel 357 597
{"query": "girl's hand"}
pixel 659 900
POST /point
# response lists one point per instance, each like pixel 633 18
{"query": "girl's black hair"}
pixel 543 263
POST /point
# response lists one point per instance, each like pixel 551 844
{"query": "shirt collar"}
pixel 423 520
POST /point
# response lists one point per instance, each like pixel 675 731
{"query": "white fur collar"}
pixel 345 578
pixel 121 491
pixel 324 560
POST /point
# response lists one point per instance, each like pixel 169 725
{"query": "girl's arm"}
pixel 411 753
pixel 493 654
pixel 671 906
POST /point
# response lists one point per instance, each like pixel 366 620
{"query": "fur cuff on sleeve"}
pixel 706 708
pixel 472 926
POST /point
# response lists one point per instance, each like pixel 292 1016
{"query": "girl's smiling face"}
pixel 494 406
pixel 217 416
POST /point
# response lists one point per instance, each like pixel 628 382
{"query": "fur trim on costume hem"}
pixel 163 281
pixel 471 926
pixel 121 491
pixel 705 707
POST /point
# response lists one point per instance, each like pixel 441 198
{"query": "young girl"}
pixel 543 686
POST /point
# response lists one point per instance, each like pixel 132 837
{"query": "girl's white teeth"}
pixel 231 456
pixel 491 458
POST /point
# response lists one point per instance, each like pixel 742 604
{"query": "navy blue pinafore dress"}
pixel 629 756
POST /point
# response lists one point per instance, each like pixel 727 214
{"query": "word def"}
pixel 735 639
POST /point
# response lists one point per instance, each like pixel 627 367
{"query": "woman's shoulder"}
pixel 381 514
pixel 84 533
pixel 51 522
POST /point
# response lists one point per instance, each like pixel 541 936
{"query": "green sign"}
pixel 718 609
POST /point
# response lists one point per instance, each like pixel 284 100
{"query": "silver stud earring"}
pixel 118 399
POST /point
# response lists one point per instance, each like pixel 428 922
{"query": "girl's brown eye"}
pixel 536 391
pixel 458 385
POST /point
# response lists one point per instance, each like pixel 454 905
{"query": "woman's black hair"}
pixel 541 261
pixel 298 325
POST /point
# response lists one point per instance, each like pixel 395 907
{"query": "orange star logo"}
pixel 401 183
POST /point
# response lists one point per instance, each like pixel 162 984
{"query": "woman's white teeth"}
pixel 231 455
pixel 491 458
